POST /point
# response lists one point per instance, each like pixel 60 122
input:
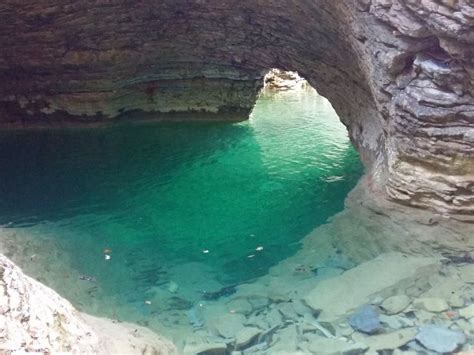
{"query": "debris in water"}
pixel 107 251
pixel 250 256
pixel 107 257
pixel 205 251
pixel 147 302
pixel 259 248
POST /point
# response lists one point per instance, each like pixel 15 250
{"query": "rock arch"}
pixel 398 72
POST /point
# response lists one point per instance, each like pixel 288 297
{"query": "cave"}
pixel 399 74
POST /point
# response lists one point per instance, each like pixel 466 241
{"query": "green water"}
pixel 233 199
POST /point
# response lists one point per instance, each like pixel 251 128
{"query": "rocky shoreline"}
pixel 395 282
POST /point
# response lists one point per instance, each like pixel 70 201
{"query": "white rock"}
pixel 395 304
pixel 431 304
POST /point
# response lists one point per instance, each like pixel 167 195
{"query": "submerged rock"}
pixel 365 320
pixel 395 304
pixel 431 304
pixel 245 336
pixel 332 346
pixel 390 341
pixel 440 339
pixel 467 312
pixel 330 297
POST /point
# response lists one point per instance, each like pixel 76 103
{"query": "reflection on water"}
pixel 140 213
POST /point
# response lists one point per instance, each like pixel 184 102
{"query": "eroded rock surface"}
pixel 34 318
pixel 399 73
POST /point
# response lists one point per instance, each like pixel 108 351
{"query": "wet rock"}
pixel 245 336
pixel 333 346
pixel 395 304
pixel 467 312
pixel 365 320
pixel 440 339
pixel 383 273
pixel 390 341
pixel 431 304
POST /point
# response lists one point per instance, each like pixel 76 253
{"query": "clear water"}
pixel 230 200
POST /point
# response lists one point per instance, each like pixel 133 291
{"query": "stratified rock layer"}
pixel 34 318
pixel 399 73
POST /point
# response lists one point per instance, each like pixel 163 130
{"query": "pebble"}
pixel 440 339
pixel 366 319
pixel 431 304
pixel 395 304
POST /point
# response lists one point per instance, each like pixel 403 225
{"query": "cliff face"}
pixel 34 318
pixel 399 73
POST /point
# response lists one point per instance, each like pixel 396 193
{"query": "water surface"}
pixel 203 205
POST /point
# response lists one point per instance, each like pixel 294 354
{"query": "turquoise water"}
pixel 233 199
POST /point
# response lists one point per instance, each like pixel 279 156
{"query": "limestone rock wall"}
pixel 398 72
pixel 34 318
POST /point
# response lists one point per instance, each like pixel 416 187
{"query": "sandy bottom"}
pixel 411 267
